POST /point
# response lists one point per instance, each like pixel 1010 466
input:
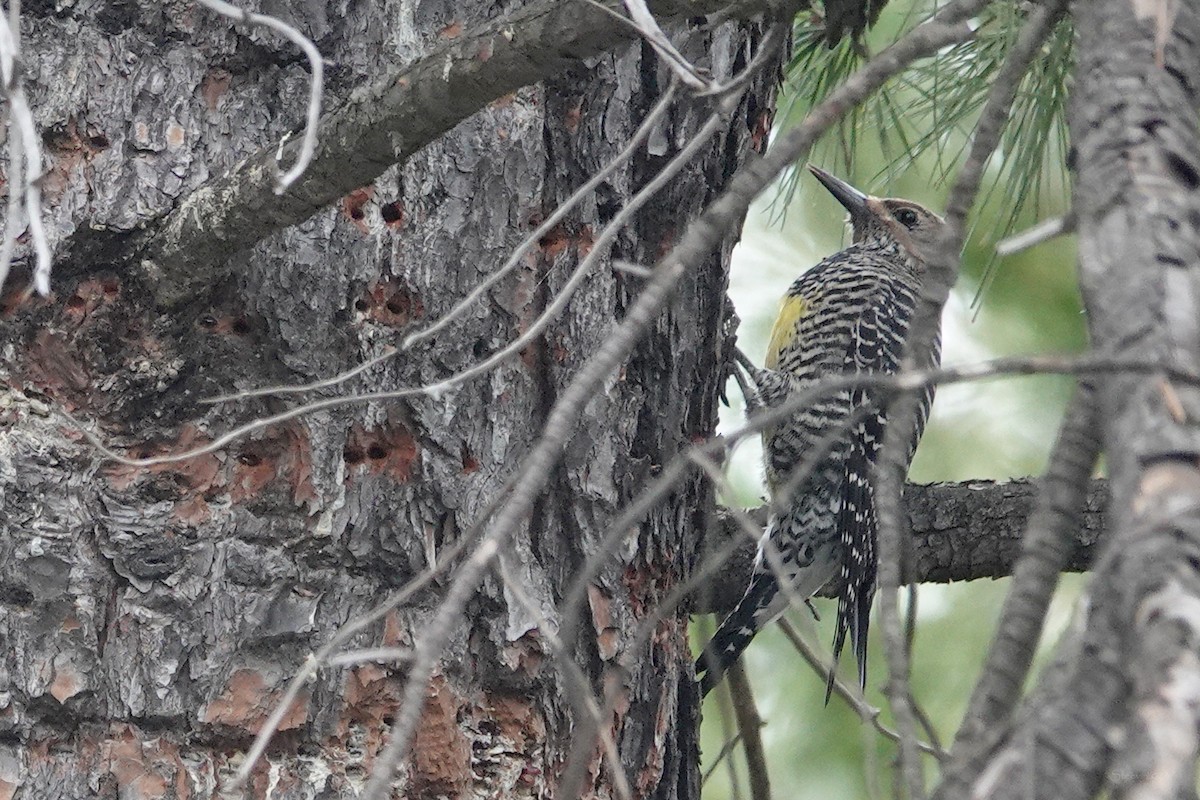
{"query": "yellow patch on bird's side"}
pixel 783 334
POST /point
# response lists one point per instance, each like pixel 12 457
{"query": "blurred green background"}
pixel 997 429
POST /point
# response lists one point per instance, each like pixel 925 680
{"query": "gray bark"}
pixel 153 617
pixel 1118 709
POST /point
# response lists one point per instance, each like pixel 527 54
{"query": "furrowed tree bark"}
pixel 153 617
pixel 381 123
pixel 1118 710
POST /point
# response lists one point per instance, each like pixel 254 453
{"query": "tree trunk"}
pixel 152 617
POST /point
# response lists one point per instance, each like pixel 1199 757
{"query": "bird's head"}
pixel 886 220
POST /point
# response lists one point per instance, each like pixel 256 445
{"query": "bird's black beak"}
pixel 854 200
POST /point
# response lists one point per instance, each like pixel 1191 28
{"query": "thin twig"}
pixel 1044 550
pixel 25 159
pixel 942 268
pixel 750 727
pixel 722 754
pixel 388 352
pixel 308 146
pixel 1044 231
pixel 850 694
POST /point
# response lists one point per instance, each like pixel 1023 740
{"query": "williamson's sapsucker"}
pixel 848 314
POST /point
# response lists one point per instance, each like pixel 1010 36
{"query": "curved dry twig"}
pixel 942 268
pixel 308 145
pixel 851 695
pixel 25 160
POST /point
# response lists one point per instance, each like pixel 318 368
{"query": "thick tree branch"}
pixel 381 125
pixel 960 532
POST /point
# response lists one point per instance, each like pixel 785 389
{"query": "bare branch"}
pixel 942 269
pixel 24 160
pixel 750 729
pixel 308 145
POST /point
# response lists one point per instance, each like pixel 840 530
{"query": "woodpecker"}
pixel 848 314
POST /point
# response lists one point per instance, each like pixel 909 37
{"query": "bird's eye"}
pixel 906 217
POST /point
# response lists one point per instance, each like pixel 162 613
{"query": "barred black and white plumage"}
pixel 848 314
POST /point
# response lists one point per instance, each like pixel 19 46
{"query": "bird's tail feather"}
pixel 753 611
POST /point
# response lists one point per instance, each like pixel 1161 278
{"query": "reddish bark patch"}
pixel 55 369
pixel 283 454
pixel 353 206
pixel 503 101
pixel 585 241
pixel 555 242
pixel 390 302
pixel 247 701
pixel 666 243
pixel 573 116
pixel 441 753
pixel 470 464
pixel 214 85
pixel 451 31
pixel 254 469
pixel 517 720
pixel 391 450
pixel 485 52
pixel 143 766
pixel 394 634
pixel 297 464
pixel 525 654
pixel 760 131
pixel 200 474
pixel 66 684
pixel 607 636
pixel 67 149
pixel 88 296
pixel 646 586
